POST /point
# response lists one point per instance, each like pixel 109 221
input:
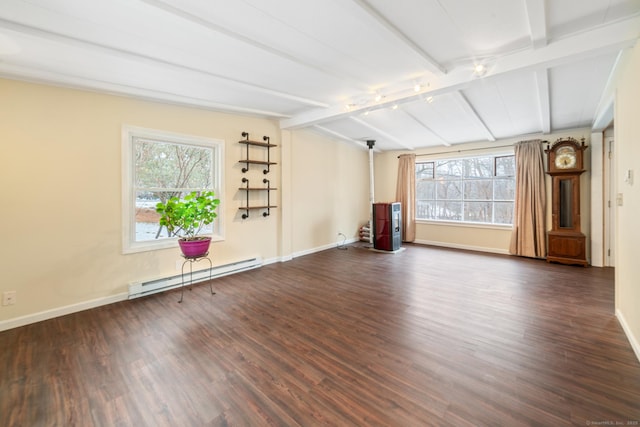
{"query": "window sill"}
pixel 153 245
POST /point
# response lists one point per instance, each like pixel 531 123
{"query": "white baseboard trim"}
pixel 275 260
pixel 635 344
pixel 323 248
pixel 313 250
pixel 465 247
pixel 60 311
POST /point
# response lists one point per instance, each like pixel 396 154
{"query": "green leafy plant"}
pixel 187 216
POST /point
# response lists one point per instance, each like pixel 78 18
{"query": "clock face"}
pixel 566 158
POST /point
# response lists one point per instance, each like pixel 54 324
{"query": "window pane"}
pixel 478 212
pixel 449 168
pixel 479 189
pixel 504 189
pixel 506 166
pixel 146 224
pixel 470 189
pixel 503 212
pixel 426 209
pixel 168 165
pixel 424 170
pixel 449 211
pixel 479 167
pixel 449 190
pixel 425 190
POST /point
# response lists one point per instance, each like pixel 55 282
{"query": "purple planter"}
pixel 195 248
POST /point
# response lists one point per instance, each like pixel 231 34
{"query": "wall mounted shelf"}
pixel 248 188
pixel 248 161
pixel 248 206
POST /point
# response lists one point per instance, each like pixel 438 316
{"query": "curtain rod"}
pixel 472 149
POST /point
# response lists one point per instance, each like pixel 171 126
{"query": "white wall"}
pixel 627 140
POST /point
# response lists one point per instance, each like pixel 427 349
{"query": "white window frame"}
pixel 129 134
pixel 459 156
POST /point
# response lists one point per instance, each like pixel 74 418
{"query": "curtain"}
pixel 406 195
pixel 529 231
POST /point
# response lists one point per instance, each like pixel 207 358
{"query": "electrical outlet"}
pixel 8 297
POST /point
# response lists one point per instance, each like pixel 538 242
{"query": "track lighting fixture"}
pixel 479 70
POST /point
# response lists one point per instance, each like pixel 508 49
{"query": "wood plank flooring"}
pixel 427 336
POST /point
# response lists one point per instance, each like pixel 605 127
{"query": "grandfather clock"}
pixel 566 243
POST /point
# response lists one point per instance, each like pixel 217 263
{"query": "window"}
pixel 156 166
pixel 471 189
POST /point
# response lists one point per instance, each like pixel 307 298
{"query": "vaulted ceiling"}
pixel 402 72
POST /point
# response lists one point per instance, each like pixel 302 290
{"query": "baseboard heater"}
pixel 141 289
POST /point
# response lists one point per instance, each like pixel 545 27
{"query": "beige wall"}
pixel 324 180
pixel 489 239
pixel 627 140
pixel 60 185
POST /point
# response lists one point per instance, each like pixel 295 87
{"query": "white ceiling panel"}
pixel 447 118
pixel 571 16
pixel 401 126
pixel 547 63
pixel 576 90
pixel 507 105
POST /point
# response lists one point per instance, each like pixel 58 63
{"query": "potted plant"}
pixel 186 217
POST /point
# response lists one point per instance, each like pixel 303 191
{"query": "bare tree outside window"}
pixel 472 189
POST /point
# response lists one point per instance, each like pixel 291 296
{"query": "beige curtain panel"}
pixel 406 195
pixel 529 230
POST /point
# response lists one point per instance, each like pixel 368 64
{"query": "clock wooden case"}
pixel 566 243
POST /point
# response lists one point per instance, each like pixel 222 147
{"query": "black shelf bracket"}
pixel 246 136
pixel 266 139
pixel 268 212
pixel 245 215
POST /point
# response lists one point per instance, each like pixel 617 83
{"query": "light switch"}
pixel 619 199
pixel 628 176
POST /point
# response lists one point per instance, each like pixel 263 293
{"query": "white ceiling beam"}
pixel 341 136
pixel 134 56
pixel 338 111
pixel 382 133
pixel 431 63
pixel 537 17
pixel 604 111
pixel 605 39
pixel 34 75
pixel 544 111
pixel 472 114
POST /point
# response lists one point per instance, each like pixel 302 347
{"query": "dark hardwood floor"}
pixel 424 337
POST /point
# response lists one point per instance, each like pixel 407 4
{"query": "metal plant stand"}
pixel 191 260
